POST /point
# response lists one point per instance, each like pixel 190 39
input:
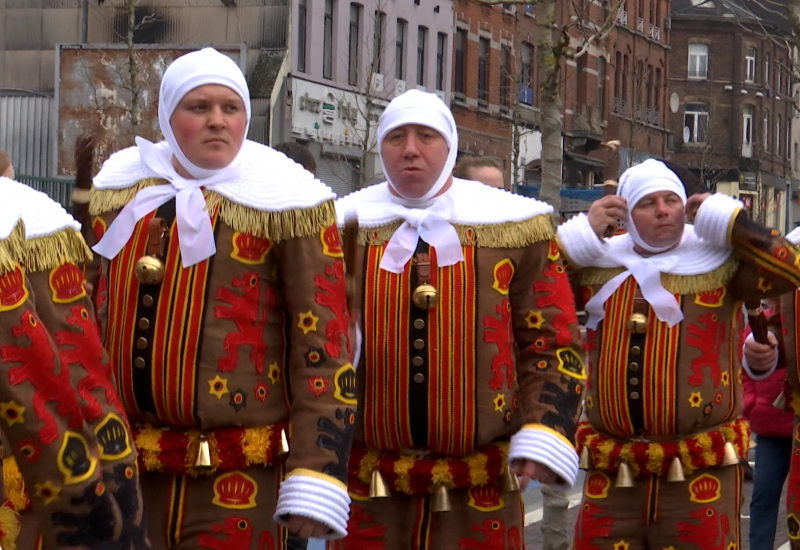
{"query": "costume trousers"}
pixel 478 520
pixel 229 510
pixel 655 514
pixel 772 465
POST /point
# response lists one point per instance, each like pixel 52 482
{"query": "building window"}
pixel 695 119
pixel 302 26
pixel 778 135
pixel 601 85
pixel 765 130
pixel 526 75
pixel 747 131
pixel 459 85
pixel 698 61
pixel 505 81
pixel 327 41
pixel 377 40
pixel 400 50
pixel 766 69
pixel 483 69
pixel 750 64
pixel 422 39
pixel 353 50
pixel 441 50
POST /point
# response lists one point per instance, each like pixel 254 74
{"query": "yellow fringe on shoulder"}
pixel 51 251
pixel 504 235
pixel 106 200
pixel 277 225
pixel 12 248
pixel 677 284
pixel 13 484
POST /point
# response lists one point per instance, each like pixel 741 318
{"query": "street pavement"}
pixel 532 497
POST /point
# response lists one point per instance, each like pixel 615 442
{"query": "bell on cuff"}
pixel 675 473
pixel 441 499
pixel 203 459
pixel 585 461
pixel 508 481
pixel 624 476
pixel 729 457
pixel 377 486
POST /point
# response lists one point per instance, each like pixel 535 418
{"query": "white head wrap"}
pixel 636 183
pixel 425 217
pixel 425 109
pixel 195 235
pixel 639 181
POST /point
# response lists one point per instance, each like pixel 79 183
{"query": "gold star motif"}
pixel 724 378
pixel 621 545
pixel 695 400
pixel 274 374
pixel 763 285
pixel 12 412
pixel 534 319
pixel 499 402
pixel 307 322
pixel 47 491
pixel 218 386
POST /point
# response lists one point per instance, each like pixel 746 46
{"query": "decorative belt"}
pixel 173 451
pixel 702 450
pixel 416 474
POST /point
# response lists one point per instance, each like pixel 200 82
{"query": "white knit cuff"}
pixel 581 244
pixel 746 366
pixel 540 444
pixel 714 218
pixel 313 496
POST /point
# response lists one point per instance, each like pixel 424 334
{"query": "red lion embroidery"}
pixel 38 365
pixel 559 295
pixel 709 341
pixel 498 332
pixel 333 297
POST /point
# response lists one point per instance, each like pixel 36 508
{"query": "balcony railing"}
pixel 655 32
pixel 622 18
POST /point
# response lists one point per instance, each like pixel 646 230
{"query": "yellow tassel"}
pixel 441 499
pixel 675 473
pixel 9 527
pixel 624 477
pixel 203 459
pixel 14 484
pixel 377 486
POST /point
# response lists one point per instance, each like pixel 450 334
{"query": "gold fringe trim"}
pixel 53 250
pixel 13 484
pixel 106 200
pixel 504 235
pixel 12 249
pixel 275 226
pixel 10 527
pixel 677 284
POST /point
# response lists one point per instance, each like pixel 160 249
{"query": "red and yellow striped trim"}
pixel 647 458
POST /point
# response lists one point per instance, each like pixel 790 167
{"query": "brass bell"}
pixel 637 323
pixel 441 499
pixel 729 456
pixel 508 481
pixel 377 486
pixel 675 473
pixel 585 461
pixel 149 270
pixel 780 401
pixel 284 443
pixel 624 476
pixel 425 296
pixel 203 459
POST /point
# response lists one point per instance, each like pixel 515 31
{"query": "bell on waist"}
pixel 377 486
pixel 425 296
pixel 203 459
pixel 637 323
pixel 284 443
pixel 508 481
pixel 675 473
pixel 585 461
pixel 624 476
pixel 149 270
pixel 441 499
pixel 729 456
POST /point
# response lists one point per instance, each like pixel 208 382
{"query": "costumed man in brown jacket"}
pixel 471 358
pixel 59 412
pixel 663 439
pixel 222 303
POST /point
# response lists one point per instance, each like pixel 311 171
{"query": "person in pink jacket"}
pixel 772 428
